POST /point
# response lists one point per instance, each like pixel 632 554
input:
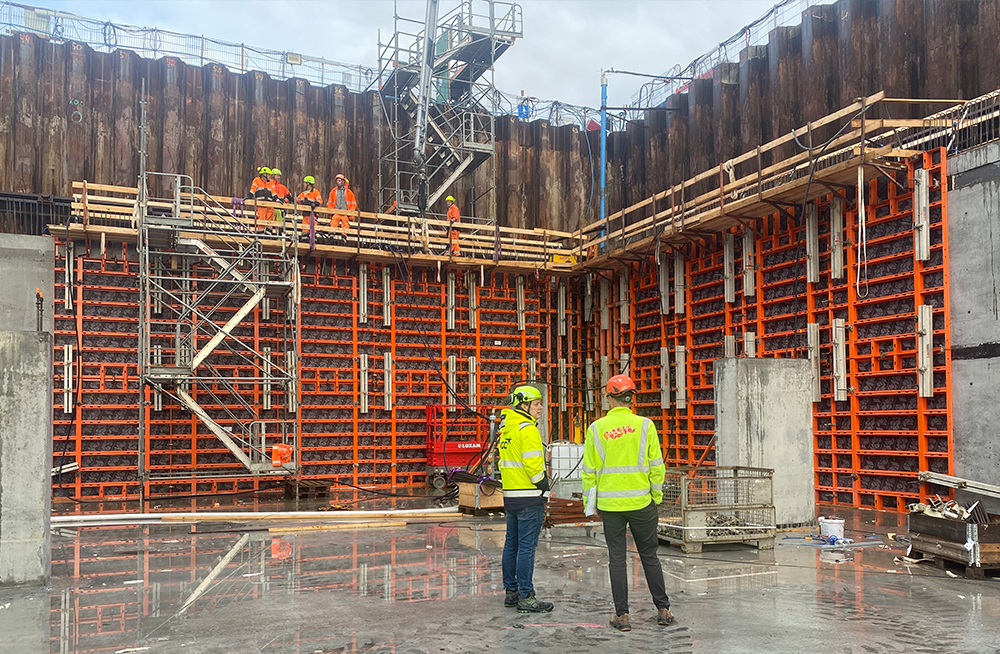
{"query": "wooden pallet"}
pixel 307 488
pixel 958 567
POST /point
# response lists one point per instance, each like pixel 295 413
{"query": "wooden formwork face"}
pixel 339 440
pixel 868 448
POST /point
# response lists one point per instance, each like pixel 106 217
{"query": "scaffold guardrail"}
pixel 106 36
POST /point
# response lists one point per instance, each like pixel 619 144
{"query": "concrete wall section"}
pixel 763 419
pixel 974 273
pixel 25 265
pixel 25 456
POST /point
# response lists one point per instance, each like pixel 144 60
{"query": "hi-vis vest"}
pixel 622 463
pixel 522 459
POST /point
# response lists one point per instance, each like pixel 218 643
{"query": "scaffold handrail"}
pixel 655 92
pixel 110 208
pixel 106 36
pixel 747 187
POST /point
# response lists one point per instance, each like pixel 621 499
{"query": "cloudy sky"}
pixel 566 42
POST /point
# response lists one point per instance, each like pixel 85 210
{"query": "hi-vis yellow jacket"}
pixel 522 459
pixel 622 463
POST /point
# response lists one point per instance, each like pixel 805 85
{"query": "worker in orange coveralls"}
pixel 310 196
pixel 262 190
pixel 281 194
pixel 453 219
pixel 341 197
pixel 280 190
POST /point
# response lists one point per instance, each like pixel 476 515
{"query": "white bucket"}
pixel 831 527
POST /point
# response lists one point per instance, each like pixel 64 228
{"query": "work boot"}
pixel 511 597
pixel 664 617
pixel 531 605
pixel 621 622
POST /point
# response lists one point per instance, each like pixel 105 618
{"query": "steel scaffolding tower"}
pixel 203 273
pixel 425 147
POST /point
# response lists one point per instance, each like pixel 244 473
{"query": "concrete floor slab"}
pixel 436 587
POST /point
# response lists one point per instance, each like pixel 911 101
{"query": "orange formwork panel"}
pixel 380 441
pixel 868 447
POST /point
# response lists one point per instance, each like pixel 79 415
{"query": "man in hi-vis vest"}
pixel 623 479
pixel 525 492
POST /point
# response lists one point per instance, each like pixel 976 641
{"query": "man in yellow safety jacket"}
pixel 525 492
pixel 623 479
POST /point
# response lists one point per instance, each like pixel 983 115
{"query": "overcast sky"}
pixel 565 44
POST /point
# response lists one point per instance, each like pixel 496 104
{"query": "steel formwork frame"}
pixel 381 339
pixel 461 129
pixel 870 445
pixel 496 341
pixel 202 275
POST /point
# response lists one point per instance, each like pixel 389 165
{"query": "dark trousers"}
pixel 642 523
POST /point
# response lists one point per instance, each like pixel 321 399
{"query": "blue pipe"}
pixel 604 145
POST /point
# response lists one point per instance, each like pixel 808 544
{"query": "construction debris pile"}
pixel 951 510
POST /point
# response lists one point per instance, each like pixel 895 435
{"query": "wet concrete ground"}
pixel 436 587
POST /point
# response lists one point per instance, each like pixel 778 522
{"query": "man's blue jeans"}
pixel 523 528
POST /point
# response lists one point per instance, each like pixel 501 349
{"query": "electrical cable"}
pixel 673 554
pixel 376 491
pixel 802 210
pixel 249 491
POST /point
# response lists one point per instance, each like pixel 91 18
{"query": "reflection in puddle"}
pixel 437 587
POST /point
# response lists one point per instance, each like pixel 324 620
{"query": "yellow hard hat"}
pixel 450 198
pixel 275 171
pixel 264 170
pixel 309 179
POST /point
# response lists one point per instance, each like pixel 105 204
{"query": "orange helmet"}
pixel 619 385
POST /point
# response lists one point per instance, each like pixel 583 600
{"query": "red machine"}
pixel 455 438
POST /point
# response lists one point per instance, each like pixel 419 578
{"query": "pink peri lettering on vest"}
pixel 618 432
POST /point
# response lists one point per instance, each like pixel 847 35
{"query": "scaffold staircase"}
pixel 203 274
pixel 457 130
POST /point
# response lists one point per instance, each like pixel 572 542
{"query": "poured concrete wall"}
pixel 68 112
pixel 25 456
pixel 763 419
pixel 974 275
pixel 25 265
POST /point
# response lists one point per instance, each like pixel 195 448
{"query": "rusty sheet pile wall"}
pixel 872 433
pixel 71 113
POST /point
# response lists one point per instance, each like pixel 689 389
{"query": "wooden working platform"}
pixel 109 213
pixel 775 177
pixel 707 203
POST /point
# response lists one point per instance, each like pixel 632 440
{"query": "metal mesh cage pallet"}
pixel 716 504
pixel 750 293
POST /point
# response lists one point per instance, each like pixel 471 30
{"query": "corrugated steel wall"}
pixel 70 113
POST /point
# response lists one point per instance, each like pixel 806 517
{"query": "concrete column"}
pixel 763 419
pixel 26 264
pixel 974 277
pixel 25 456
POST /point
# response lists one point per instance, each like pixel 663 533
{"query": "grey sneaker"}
pixel 664 617
pixel 621 622
pixel 510 597
pixel 531 605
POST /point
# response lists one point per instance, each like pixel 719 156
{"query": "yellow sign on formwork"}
pixel 563 258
